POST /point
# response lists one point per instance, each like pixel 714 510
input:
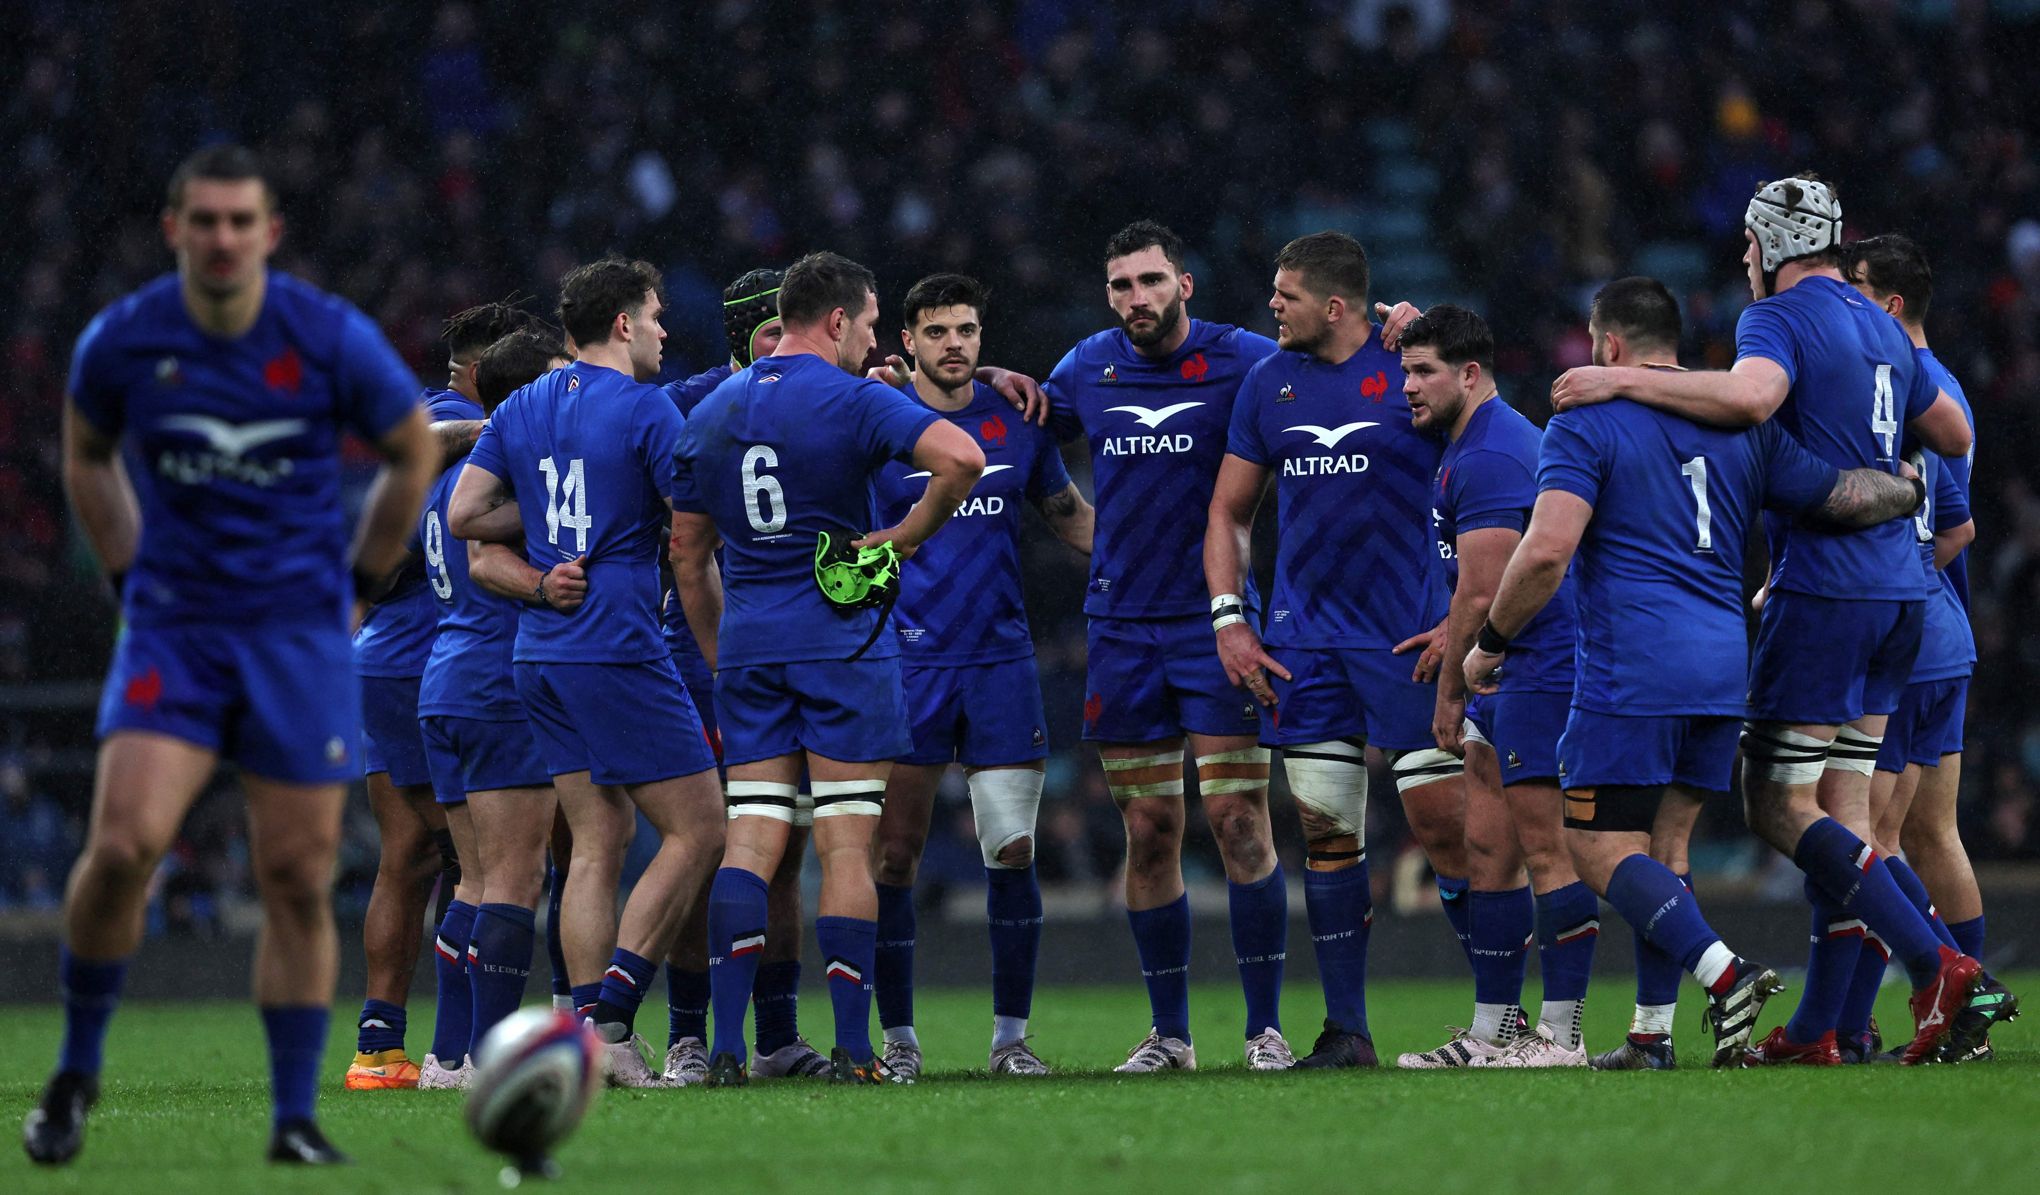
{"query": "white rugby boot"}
pixel 1158 1053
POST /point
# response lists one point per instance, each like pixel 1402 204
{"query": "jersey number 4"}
pixel 1884 410
pixel 566 502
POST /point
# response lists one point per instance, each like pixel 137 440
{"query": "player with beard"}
pixel 1325 416
pixel 1841 629
pixel 969 676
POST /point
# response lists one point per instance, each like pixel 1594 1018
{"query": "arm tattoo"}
pixel 1864 497
pixel 1060 506
pixel 456 436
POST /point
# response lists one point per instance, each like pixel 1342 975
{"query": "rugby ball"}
pixel 535 1075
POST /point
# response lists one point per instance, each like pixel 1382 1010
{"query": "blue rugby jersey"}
pixel 779 453
pixel 1355 564
pixel 1855 385
pixel 1488 478
pixel 687 394
pixel 1158 432
pixel 396 633
pixel 1959 469
pixel 1947 644
pixel 588 454
pixel 960 596
pixel 233 447
pixel 468 671
pixel 1659 569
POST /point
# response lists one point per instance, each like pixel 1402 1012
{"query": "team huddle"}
pixel 768 606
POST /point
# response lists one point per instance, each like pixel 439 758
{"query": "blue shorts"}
pixel 1343 692
pixel 979 715
pixel 390 740
pixel 282 702
pixel 1154 678
pixel 700 684
pixel 1827 662
pixel 1926 725
pixel 1523 729
pixel 469 755
pixel 620 723
pixel 1697 751
pixel 851 710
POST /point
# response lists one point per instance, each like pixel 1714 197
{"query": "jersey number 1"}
pixel 1695 472
pixel 566 502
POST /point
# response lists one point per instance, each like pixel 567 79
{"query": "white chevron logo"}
pixel 235 439
pixel 1329 436
pixel 1155 418
pixel 989 470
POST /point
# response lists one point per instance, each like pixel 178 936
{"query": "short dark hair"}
pixel 1144 234
pixel 821 282
pixel 515 360
pixel 1892 264
pixel 1639 308
pixel 468 332
pixel 1455 334
pixel 592 296
pixel 1331 263
pixel 944 290
pixel 225 162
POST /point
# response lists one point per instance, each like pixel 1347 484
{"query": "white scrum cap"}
pixel 1793 217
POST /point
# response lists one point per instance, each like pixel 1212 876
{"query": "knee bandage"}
pixel 1220 772
pixel 1330 779
pixel 1853 751
pixel 1415 769
pixel 1782 755
pixel 1004 803
pixel 762 798
pixel 843 798
pixel 1124 791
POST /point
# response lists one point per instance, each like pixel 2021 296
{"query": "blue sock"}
pixel 1841 865
pixel 847 944
pixel 1908 882
pixel 454 1017
pixel 1340 905
pixel 554 951
pixel 499 966
pixel 91 992
pixel 775 998
pixel 893 957
pixel 624 984
pixel 297 1039
pixel 1664 911
pixel 1657 973
pixel 1013 912
pixel 584 996
pixel 1830 968
pixel 1503 923
pixel 1861 999
pixel 686 1005
pixel 1458 912
pixel 1568 925
pixel 382 1025
pixel 736 941
pixel 1969 936
pixel 1260 937
pixel 1161 936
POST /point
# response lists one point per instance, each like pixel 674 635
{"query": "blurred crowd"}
pixel 1511 156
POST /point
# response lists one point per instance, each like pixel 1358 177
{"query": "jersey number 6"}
pixel 764 500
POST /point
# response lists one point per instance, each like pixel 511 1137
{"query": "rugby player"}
pixel 230 385
pixel 1658 509
pixel 778 464
pixel 968 670
pixel 1325 415
pixel 1841 628
pixel 1481 502
pixel 584 456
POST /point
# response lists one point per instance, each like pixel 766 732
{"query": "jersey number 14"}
pixel 566 502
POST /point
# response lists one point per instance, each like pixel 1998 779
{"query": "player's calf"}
pixel 1329 781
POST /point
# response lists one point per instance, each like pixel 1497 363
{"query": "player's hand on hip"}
pixel 890 535
pixel 1247 663
pixel 1394 320
pixel 1430 648
pixel 893 373
pixel 1019 389
pixel 1483 671
pixel 566 585
pixel 1448 724
pixel 1582 386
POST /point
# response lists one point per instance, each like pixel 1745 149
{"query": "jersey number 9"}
pixel 435 557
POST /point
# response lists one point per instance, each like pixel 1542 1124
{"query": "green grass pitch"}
pixel 185 1109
